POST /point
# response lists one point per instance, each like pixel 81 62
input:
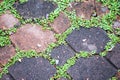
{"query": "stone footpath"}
pixel 33 37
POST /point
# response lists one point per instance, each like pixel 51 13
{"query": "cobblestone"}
pixel 93 68
pixel 62 53
pixel 61 23
pixel 8 21
pixel 32 69
pixel 32 37
pixel 93 39
pixel 6 53
pixel 114 55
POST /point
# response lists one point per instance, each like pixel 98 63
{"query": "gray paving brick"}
pixel 7 77
pixel 62 53
pixel 35 8
pixel 32 69
pixel 92 39
pixel 93 68
pixel 114 55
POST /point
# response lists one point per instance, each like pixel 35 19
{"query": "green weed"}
pixel 4 36
pixel 104 22
pixel 22 1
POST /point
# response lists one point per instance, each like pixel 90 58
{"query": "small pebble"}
pixel 38 45
pixel 57 61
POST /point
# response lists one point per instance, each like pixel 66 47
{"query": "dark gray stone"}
pixel 61 54
pixel 32 69
pixel 62 79
pixel 7 77
pixel 92 39
pixel 93 68
pixel 35 8
pixel 114 55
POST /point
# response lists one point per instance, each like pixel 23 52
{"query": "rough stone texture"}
pixel 7 21
pixel 32 37
pixel 116 26
pixel 32 69
pixel 7 77
pixel 114 55
pixel 35 8
pixel 6 53
pixel 61 23
pixel 62 79
pixel 92 39
pixel 93 68
pixel 101 10
pixel 118 75
pixel 116 23
pixel 88 8
pixel 84 9
pixel 61 54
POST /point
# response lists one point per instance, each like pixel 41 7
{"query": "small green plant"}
pixel 104 53
pixel 22 1
pixel 104 22
pixel 4 38
pixel 114 78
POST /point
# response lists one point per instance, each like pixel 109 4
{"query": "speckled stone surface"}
pixel 93 39
pixel 35 8
pixel 7 77
pixel 93 68
pixel 114 56
pixel 61 54
pixel 32 69
pixel 32 37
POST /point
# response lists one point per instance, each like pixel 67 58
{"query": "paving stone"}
pixel 93 68
pixel 7 21
pixel 7 77
pixel 114 55
pixel 61 23
pixel 88 39
pixel 32 69
pixel 116 26
pixel 61 54
pixel 35 8
pixel 1 1
pixel 6 53
pixel 101 10
pixel 116 23
pixel 32 37
pixel 87 8
pixel 118 75
pixel 83 9
pixel 62 79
